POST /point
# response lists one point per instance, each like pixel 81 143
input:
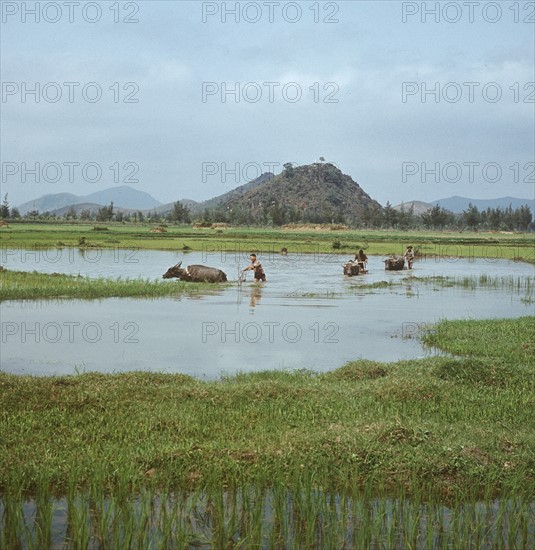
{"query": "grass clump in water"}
pixel 508 282
pixel 21 285
pixel 511 341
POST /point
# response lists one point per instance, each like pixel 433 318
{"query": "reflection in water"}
pixel 256 295
pixel 408 288
pixel 252 293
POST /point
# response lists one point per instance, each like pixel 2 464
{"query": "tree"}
pixel 390 215
pixel 105 214
pixel 180 213
pixel 523 217
pixel 71 213
pixel 471 216
pixel 15 214
pixel 85 214
pixel 406 217
pixel 494 217
pixel 289 171
pixel 207 216
pixel 219 214
pixel 4 209
pixel 370 217
pixel 277 214
pixel 437 217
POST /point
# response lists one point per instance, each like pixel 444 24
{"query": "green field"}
pixel 440 421
pixel 517 246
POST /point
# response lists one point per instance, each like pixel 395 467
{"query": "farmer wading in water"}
pixel 259 274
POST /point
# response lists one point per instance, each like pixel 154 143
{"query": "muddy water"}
pixel 307 315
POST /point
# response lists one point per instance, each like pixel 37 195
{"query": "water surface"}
pixel 307 315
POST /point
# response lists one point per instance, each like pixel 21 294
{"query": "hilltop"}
pixel 317 192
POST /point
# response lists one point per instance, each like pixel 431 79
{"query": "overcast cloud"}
pixel 360 68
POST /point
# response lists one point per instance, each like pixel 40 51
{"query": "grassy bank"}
pixel 267 240
pixel 437 422
pixel 434 453
pixel 21 285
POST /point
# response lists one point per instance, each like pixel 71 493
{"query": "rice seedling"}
pixel 276 517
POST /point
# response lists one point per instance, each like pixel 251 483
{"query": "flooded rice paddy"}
pixel 267 519
pixel 307 316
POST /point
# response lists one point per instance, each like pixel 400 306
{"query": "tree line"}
pixel 493 219
pixel 276 215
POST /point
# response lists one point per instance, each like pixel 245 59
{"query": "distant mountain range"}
pixel 196 207
pixel 418 207
pixel 128 200
pixel 459 204
pixel 123 198
pixel 315 188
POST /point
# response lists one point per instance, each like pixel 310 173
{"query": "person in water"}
pixel 256 266
pixel 361 259
pixel 409 256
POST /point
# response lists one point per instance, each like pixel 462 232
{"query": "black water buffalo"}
pixel 196 274
pixel 395 263
pixel 352 268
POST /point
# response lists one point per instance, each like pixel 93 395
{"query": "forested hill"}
pixel 317 193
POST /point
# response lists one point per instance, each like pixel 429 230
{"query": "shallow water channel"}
pixel 307 315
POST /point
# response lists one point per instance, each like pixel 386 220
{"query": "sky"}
pixel 189 99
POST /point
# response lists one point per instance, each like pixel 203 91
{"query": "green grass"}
pixel 398 423
pixel 412 453
pixel 268 240
pixel 510 283
pixel 501 282
pixel 21 285
pixel 501 342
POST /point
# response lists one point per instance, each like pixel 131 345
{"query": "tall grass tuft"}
pixel 20 285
